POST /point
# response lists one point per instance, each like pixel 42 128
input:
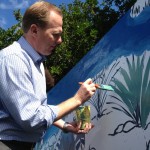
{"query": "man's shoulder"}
pixel 11 49
pixel 13 52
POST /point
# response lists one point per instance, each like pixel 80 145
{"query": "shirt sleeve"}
pixel 19 99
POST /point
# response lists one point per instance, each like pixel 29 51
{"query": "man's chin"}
pixel 49 53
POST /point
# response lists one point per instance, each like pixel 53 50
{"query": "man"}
pixel 24 112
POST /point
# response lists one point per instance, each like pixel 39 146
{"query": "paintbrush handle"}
pixel 96 85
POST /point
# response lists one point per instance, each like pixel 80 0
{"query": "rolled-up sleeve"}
pixel 54 114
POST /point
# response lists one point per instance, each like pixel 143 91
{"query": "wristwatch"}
pixel 64 129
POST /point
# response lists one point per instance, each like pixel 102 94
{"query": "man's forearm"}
pixel 68 106
pixel 84 93
pixel 59 123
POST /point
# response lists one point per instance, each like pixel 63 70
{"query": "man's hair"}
pixel 38 14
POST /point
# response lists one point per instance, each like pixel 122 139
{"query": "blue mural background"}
pixel 121 118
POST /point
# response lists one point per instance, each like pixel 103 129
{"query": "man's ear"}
pixel 34 29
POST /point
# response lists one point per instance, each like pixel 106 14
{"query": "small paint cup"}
pixel 83 115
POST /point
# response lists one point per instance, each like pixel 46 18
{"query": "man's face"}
pixel 50 37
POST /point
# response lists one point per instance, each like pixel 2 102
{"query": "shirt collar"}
pixel 36 57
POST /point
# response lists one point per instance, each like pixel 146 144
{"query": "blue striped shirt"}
pixel 24 113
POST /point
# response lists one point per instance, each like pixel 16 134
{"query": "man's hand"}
pixel 86 91
pixel 74 127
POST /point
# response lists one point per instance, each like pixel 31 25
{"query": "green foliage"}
pixel 120 6
pixel 79 35
pixel 7 37
pixel 18 15
pixel 12 34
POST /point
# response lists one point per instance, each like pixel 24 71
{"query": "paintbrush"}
pixel 102 86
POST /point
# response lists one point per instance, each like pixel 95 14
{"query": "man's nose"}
pixel 59 41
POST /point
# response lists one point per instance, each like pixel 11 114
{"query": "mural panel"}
pixel 121 117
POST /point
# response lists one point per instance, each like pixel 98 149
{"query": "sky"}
pixel 7 7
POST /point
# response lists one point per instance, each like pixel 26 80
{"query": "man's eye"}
pixel 57 35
